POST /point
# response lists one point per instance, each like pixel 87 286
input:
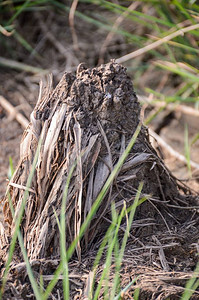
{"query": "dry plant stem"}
pixel 117 23
pixel 156 279
pixel 156 44
pixel 88 286
pixel 5 32
pixel 72 25
pixel 177 107
pixel 9 63
pixel 163 260
pixel 11 110
pixel 171 151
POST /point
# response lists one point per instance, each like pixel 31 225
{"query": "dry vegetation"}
pixel 147 242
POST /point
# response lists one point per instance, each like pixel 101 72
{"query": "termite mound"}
pixel 88 120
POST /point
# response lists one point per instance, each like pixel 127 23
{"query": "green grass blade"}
pixel 136 294
pixel 18 220
pixel 63 252
pixel 182 9
pixel 19 10
pixel 117 247
pixel 57 219
pixel 109 254
pixel 192 285
pixel 94 208
pixel 150 118
pixel 33 282
pixel 126 235
pixel 9 63
pixel 195 139
pixel 53 282
pixel 125 289
pixel 107 236
pixel 11 168
pixel 187 149
pixel 149 18
pixel 179 71
pixel 25 44
pixel 104 190
pixel 185 47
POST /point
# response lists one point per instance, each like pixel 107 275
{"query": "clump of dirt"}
pixel 89 119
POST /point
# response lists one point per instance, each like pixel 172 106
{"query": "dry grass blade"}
pixel 13 113
pixel 72 25
pixel 171 151
pixel 157 43
pixel 9 63
pixel 5 32
pixel 89 283
pixel 78 206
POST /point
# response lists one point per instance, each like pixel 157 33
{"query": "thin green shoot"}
pixel 26 45
pixel 53 282
pixel 185 47
pixel 126 235
pixel 105 188
pixel 136 294
pixel 117 246
pixel 187 150
pixel 194 139
pixel 57 219
pixel 192 285
pixel 63 252
pixel 17 227
pixel 11 168
pixel 101 24
pixel 109 254
pixel 41 284
pixel 177 70
pixel 140 15
pixel 104 280
pixel 191 90
pixel 34 285
pixel 122 292
pixel 182 9
pixel 169 99
pixel 151 117
pixel 93 210
pixel 19 11
pixel 9 63
pixel 108 235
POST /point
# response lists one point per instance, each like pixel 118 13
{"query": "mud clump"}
pixel 88 120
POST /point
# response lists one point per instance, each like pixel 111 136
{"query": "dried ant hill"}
pixel 89 119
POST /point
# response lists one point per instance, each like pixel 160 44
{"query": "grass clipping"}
pixel 88 119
